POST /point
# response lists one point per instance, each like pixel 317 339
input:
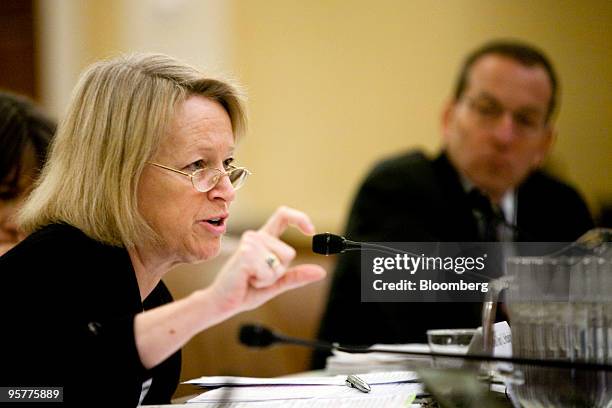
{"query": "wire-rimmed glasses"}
pixel 206 179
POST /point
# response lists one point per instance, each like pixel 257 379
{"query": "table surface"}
pixel 182 401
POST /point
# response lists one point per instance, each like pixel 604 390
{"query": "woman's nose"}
pixel 224 189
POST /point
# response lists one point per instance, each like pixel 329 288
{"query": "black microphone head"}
pixel 327 243
pixel 254 335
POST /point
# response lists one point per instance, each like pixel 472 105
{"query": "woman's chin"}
pixel 206 253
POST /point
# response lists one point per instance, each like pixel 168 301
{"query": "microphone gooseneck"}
pixel 254 335
pixel 329 244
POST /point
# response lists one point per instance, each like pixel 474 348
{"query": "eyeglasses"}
pixel 490 112
pixel 206 179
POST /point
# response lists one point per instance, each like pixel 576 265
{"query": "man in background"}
pixel 485 185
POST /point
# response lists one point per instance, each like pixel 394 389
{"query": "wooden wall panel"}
pixel 17 61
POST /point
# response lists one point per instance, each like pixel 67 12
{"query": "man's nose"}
pixel 505 129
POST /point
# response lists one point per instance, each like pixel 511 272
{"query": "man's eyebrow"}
pixel 485 95
pixel 527 109
pixel 530 110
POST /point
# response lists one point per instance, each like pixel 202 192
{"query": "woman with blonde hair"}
pixel 139 179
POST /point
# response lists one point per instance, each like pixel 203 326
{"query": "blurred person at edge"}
pixel 25 134
pixel 497 129
pixel 140 178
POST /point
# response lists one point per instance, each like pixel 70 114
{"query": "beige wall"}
pixel 74 33
pixel 335 85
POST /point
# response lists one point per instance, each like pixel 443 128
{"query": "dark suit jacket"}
pixel 410 198
pixel 67 307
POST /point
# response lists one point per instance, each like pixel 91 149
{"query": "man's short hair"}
pixel 522 53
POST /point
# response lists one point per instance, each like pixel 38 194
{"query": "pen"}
pixel 355 382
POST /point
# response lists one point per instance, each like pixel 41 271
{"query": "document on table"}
pixel 370 378
pixel 387 388
pixel 394 394
pixel 342 362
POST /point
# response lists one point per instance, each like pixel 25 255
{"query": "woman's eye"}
pixel 227 164
pixel 196 165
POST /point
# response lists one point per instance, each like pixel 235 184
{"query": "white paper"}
pixel 404 392
pixel 370 378
pixel 502 340
pixel 381 357
pixel 344 363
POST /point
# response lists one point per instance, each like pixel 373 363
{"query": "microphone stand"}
pixel 444 385
pixel 274 338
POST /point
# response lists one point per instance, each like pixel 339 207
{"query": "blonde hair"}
pixel 119 111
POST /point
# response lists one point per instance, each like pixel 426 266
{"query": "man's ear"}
pixel 546 143
pixel 446 118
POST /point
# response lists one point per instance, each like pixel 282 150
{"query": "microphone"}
pixel 328 244
pixel 255 335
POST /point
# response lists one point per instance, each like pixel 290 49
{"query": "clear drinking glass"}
pixel 449 341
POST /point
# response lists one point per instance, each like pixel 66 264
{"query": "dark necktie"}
pixel 488 216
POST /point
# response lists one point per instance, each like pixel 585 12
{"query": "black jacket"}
pixel 410 198
pixel 67 305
